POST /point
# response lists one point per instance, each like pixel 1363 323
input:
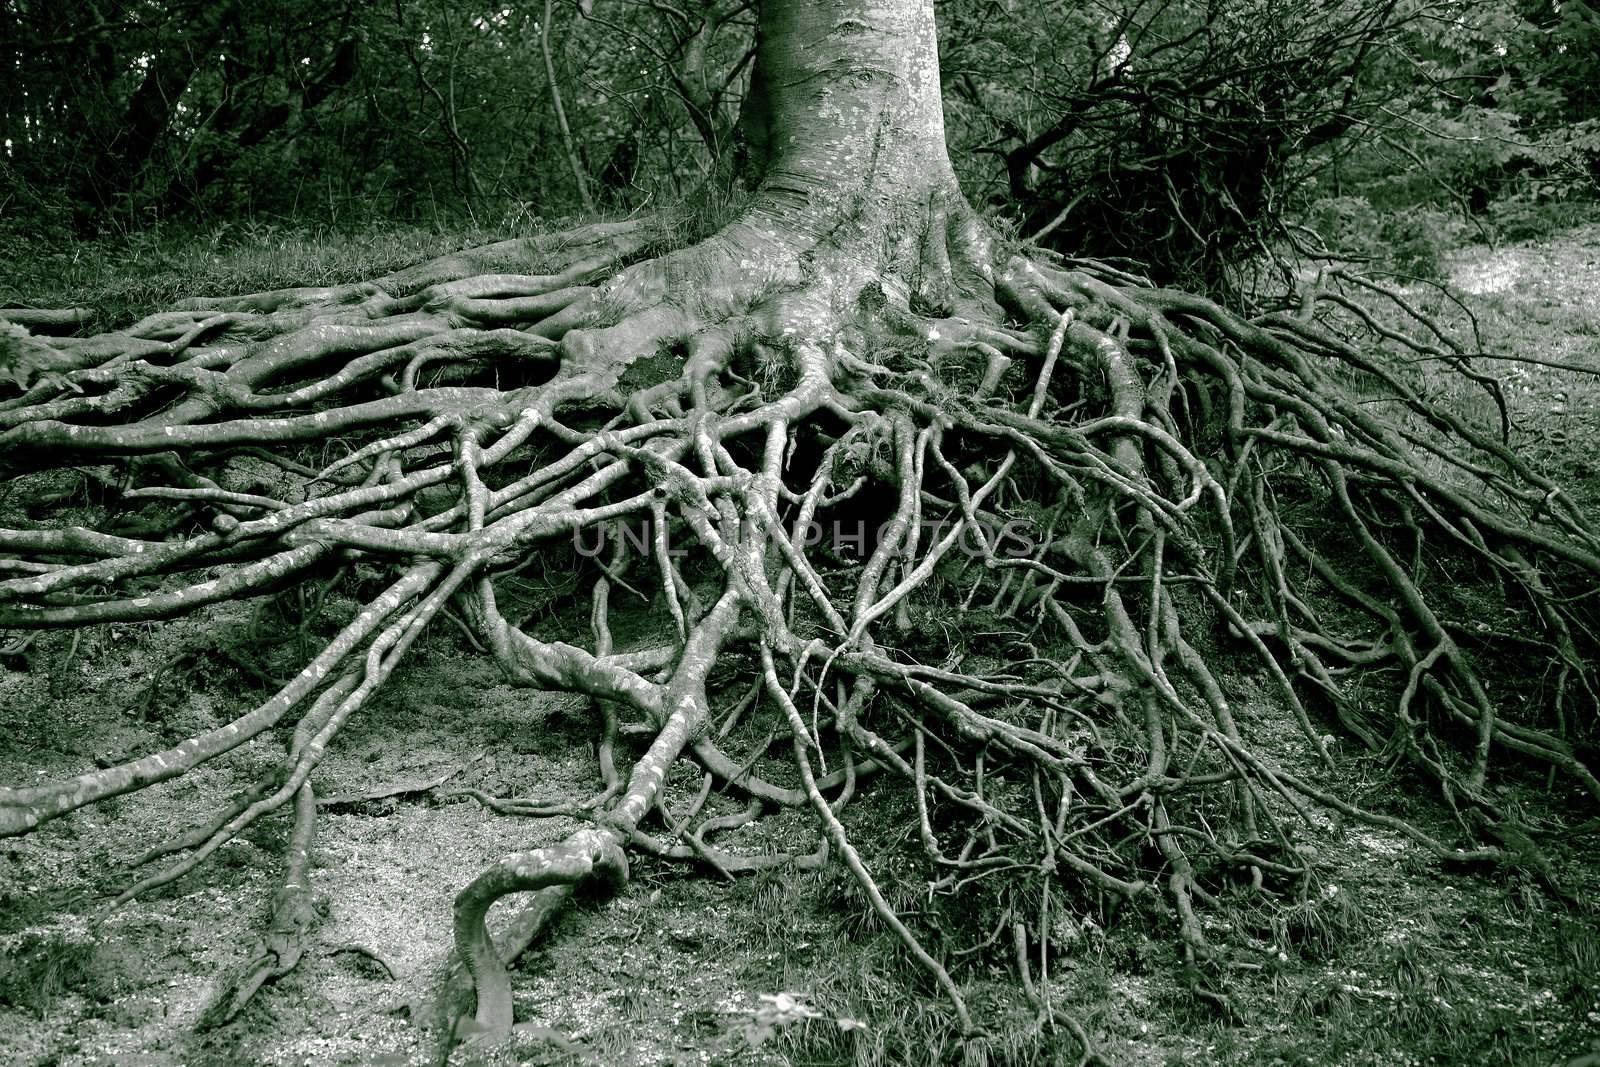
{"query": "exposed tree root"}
pixel 292 915
pixel 398 791
pixel 1080 498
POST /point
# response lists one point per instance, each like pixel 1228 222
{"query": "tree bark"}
pixel 845 98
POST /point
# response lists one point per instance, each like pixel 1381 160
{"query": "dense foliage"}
pixel 1181 134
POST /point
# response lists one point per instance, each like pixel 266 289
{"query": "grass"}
pixel 123 278
pixel 1539 300
pixel 1397 965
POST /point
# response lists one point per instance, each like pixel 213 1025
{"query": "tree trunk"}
pixel 116 169
pixel 846 102
pixel 856 197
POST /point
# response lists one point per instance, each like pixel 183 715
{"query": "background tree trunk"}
pixel 118 166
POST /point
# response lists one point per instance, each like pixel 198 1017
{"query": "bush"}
pixel 1345 223
pixel 1526 218
pixel 1417 239
pixel 1412 240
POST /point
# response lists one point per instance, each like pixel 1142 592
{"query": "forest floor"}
pixel 1400 963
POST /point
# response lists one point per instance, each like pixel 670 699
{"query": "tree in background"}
pixel 1115 490
pixel 306 111
pixel 1496 118
pixel 1230 115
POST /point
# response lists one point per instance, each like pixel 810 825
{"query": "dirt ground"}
pixel 1400 963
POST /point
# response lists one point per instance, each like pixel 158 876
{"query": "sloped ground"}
pixel 1391 960
pixel 1542 300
